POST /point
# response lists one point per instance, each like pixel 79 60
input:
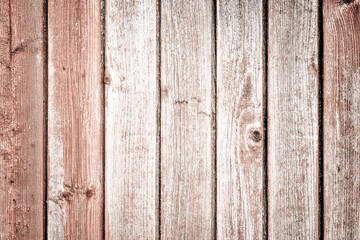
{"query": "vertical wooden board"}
pixel 187 121
pixel 21 120
pixel 293 127
pixel 131 119
pixel 75 124
pixel 240 78
pixel 341 119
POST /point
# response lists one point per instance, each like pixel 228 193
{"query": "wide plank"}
pixel 293 123
pixel 240 141
pixel 21 120
pixel 187 120
pixel 75 120
pixel 131 97
pixel 341 119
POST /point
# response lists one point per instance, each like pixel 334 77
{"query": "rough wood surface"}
pixel 187 122
pixel 240 75
pixel 293 119
pixel 75 125
pixel 131 119
pixel 342 119
pixel 21 120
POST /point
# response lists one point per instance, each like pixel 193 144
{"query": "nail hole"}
pixel 106 80
pixel 256 136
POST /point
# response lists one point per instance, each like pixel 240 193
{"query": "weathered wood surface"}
pixel 75 124
pixel 240 79
pixel 342 119
pixel 131 119
pixel 21 120
pixel 182 87
pixel 187 122
pixel 293 127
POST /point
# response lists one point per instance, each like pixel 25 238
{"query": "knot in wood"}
pixel 90 193
pixel 347 2
pixel 256 136
pixel 65 196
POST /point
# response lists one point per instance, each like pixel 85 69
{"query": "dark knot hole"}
pixel 256 136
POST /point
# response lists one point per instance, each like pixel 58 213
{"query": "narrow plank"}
pixel 240 79
pixel 131 119
pixel 21 120
pixel 187 122
pixel 75 124
pixel 293 127
pixel 342 119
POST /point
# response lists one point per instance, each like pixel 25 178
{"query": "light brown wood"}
pixel 75 125
pixel 341 119
pixel 240 79
pixel 131 119
pixel 187 121
pixel 293 126
pixel 21 120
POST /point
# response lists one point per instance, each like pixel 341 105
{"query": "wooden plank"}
pixel 131 119
pixel 21 120
pixel 342 119
pixel 240 79
pixel 75 125
pixel 187 122
pixel 293 126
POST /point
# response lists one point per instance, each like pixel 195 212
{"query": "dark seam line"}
pixel 45 115
pixel 159 118
pixel 103 117
pixel 10 33
pixel 10 65
pixel 321 122
pixel 265 116
pixel 214 115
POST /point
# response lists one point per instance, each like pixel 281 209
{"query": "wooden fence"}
pixel 234 119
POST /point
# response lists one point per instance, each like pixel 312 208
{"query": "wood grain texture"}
pixel 75 124
pixel 293 127
pixel 240 79
pixel 187 121
pixel 341 119
pixel 131 119
pixel 21 120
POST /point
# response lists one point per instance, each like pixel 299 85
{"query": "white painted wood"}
pixel 240 137
pixel 131 119
pixel 187 120
pixel 293 123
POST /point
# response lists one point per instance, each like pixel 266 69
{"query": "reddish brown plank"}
pixel 21 120
pixel 75 125
pixel 293 119
pixel 342 119
pixel 240 79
